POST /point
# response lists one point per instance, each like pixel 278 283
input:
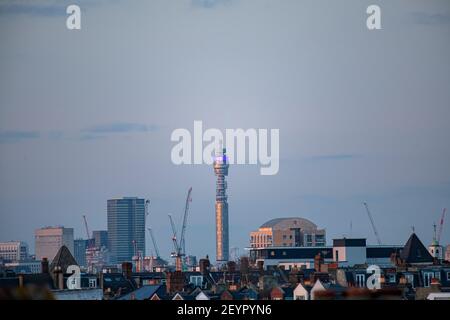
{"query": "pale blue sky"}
pixel 363 115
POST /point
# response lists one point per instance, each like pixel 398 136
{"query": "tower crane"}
pixel 441 225
pixel 88 234
pixel 177 252
pixel 90 243
pixel 372 223
pixel 179 246
pixel 183 229
pixel 155 246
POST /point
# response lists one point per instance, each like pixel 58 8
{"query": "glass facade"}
pixel 126 225
pixel 79 246
pixel 100 238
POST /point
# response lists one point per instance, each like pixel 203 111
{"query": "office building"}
pixel 49 240
pixel 126 228
pixel 100 238
pixel 13 251
pixel 80 246
pixel 344 253
pixel 25 266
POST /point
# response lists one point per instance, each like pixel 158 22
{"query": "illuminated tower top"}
pixel 221 170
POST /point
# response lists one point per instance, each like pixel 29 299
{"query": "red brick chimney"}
pixel 318 262
pixel 127 269
pixel 175 281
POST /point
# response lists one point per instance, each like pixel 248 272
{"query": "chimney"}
pixel 435 285
pixel 204 265
pixel 244 266
pixel 101 277
pixel 44 265
pixel 231 266
pixel 318 262
pixel 20 280
pixel 60 280
pixel 175 281
pixel 127 269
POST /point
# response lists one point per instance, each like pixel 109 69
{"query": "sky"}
pixel 86 115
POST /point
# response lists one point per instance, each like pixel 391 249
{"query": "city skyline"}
pixel 86 115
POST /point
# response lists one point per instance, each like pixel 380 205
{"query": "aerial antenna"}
pixel 351 228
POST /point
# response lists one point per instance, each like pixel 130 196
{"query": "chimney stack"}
pixel 127 269
pixel 44 266
pixel 20 280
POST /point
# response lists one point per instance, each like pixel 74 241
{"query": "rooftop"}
pixel 284 223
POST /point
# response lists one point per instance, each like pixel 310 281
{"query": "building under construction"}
pixel 222 238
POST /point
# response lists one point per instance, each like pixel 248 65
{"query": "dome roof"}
pixel 287 223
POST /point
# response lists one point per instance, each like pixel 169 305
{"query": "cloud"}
pixel 12 136
pixel 90 137
pixel 333 157
pixel 210 3
pixel 431 19
pixel 120 127
pixel 45 8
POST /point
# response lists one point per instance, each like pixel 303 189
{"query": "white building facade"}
pixel 13 251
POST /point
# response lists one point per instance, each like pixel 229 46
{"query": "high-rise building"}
pixel 126 228
pixel 80 246
pixel 49 240
pixel 222 240
pixel 100 238
pixel 13 251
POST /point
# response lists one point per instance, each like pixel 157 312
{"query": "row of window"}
pixel 360 279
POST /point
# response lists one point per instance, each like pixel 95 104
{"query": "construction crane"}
pixel 177 252
pixel 373 223
pixel 154 242
pixel 147 213
pixel 179 246
pixel 88 234
pixel 183 229
pixel 90 242
pixel 441 226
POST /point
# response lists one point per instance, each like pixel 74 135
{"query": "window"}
pixel 196 280
pixel 410 279
pixel 427 276
pixel 391 278
pixel 448 276
pixel 92 283
pixel 360 280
